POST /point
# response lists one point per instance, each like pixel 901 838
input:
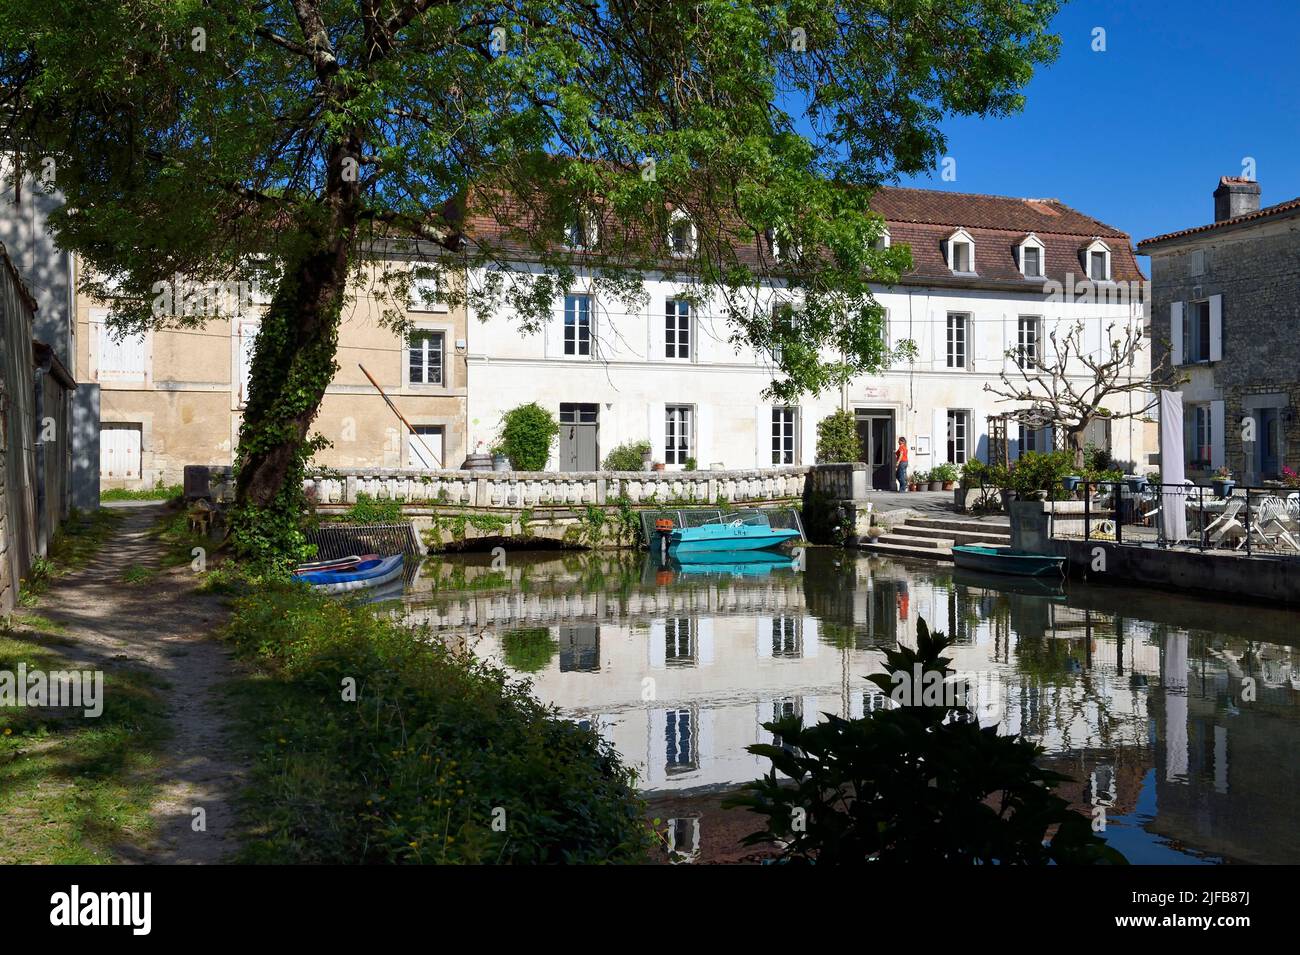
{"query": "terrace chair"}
pixel 1293 506
pixel 1226 528
pixel 1268 523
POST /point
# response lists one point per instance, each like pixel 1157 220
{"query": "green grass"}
pixel 414 767
pixel 159 493
pixel 73 789
pixel 136 574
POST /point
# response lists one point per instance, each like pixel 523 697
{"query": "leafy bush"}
pixel 838 440
pixel 422 758
pixel 627 457
pixel 944 472
pixel 920 782
pixel 526 436
pixel 371 510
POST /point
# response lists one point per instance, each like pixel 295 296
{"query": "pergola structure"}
pixel 1035 418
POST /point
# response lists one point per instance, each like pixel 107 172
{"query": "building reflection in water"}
pixel 1139 699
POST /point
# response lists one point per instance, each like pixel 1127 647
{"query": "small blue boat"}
pixel 361 576
pixel 1004 560
pixel 751 532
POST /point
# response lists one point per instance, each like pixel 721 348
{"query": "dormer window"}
pixel 681 234
pixel 881 242
pixel 1097 259
pixel 784 249
pixel 1031 257
pixel 581 233
pixel 961 253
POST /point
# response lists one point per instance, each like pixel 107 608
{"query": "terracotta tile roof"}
pixel 1282 208
pixel 924 219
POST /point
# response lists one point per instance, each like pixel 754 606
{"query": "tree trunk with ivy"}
pixel 293 364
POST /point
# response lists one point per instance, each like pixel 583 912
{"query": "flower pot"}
pixel 948 485
pixel 912 486
pixel 936 485
pixel 657 466
pixel 1007 497
pixel 1070 482
pixel 647 461
pixel 1223 487
pixel 500 462
pixel 1136 484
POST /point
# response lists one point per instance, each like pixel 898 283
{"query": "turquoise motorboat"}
pixel 1004 560
pixel 747 532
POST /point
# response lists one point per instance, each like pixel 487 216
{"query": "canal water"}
pixel 1175 717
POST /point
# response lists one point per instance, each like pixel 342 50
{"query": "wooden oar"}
pixel 432 456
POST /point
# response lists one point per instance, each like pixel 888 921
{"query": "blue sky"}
pixel 1187 89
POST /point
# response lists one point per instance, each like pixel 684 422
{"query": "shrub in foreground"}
pixel 440 758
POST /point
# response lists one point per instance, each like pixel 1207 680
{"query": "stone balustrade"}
pixel 527 489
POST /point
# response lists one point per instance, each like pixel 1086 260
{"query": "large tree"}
pixel 321 141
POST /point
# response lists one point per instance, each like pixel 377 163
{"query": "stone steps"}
pixel 934 537
pixel 950 537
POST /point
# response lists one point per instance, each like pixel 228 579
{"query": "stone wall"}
pixel 1257 271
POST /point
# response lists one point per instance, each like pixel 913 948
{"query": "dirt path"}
pixel 164 627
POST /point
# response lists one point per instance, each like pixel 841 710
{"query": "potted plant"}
pixel 1223 482
pixel 918 481
pixel 657 466
pixel 1071 481
pixel 499 460
pixel 1137 483
pixel 946 474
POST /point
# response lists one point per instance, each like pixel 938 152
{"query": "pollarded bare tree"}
pixel 1074 385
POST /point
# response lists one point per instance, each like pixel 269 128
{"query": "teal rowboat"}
pixel 1004 560
pixel 749 534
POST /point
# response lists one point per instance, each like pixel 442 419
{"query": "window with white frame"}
pixel 881 242
pixel 958 436
pixel 957 328
pixel 119 357
pixel 677 434
pixel 577 325
pixel 1030 327
pixel 783 319
pixel 1098 260
pixel 681 233
pixel 1199 435
pixel 961 252
pixel 424 353
pixel 681 645
pixel 680 735
pixel 787 637
pixel 581 233
pixel 677 329
pixel 424 294
pixel 1031 258
pixel 785 423
pixel 1196 332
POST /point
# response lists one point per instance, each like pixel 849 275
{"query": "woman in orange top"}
pixel 900 463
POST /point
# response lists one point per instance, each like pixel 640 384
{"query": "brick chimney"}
pixel 1235 197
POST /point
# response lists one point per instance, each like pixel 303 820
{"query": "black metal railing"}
pixel 1252 520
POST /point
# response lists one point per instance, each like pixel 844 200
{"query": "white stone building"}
pixel 991 274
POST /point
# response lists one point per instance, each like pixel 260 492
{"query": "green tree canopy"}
pixel 320 141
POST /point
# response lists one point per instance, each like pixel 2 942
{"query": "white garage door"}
pixel 119 451
pixel 424 448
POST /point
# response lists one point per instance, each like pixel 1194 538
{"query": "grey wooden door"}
pixel 579 450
